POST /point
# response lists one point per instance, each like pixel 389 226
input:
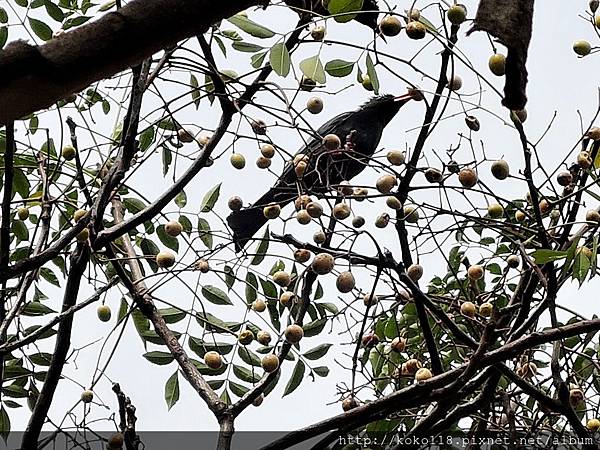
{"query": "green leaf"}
pixel 133 205
pixel 238 389
pixel 313 68
pixel 215 295
pixel 146 138
pixel 159 358
pixel 372 73
pixel 248 357
pixel 251 287
pixel 22 3
pixel 199 347
pixel 250 27
pixel 317 352
pixel 36 309
pixel 296 378
pixel 542 256
pixel 3 36
pixel 279 57
pixel 581 266
pixel 339 68
pixel 41 359
pixel 204 233
pixel 257 59
pixel 4 424
pixel 247 47
pixel 315 327
pixel 19 229
pixel 43 31
pixel 167 158
pixel 245 375
pixel 108 5
pixel 54 11
pixel 229 276
pixel 261 249
pixel 344 6
pixel 172 315
pixel 172 390
pixel 196 96
pixel 181 199
pixel 3 16
pixel 210 198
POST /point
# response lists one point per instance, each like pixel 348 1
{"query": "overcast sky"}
pixel 560 83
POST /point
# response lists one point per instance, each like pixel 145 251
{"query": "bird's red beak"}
pixel 405 97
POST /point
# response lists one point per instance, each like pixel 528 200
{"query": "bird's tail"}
pixel 246 222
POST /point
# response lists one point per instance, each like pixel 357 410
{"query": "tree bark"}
pixel 35 77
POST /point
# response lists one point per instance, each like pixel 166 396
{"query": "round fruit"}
pixel 411 366
pixel 344 188
pixel 301 255
pixel 314 209
pixel 23 213
pixel 414 14
pixel 87 396
pixel 300 169
pixel 497 64
pixel 104 313
pixel 415 272
pixel 527 370
pixel 331 142
pixel 545 206
pixel 520 114
pixel 386 183
pixel 500 169
pixel 263 337
pixel 468 309
pixel 213 360
pixel 513 261
pixel 287 298
pixel 116 441
pixel 520 216
pixel 282 278
pixel 83 235
pixel 358 221
pixel 411 214
pixel 202 265
pixel 68 152
pixel 303 217
pixel 423 374
pixel 564 178
pixel 302 202
pixel 262 162
pixel 415 30
pixel 485 309
pixel 582 47
pixel 592 216
pixel 370 299
pixel 455 83
pixel 272 211
pixel 267 150
pixel 259 127
pixel 473 123
pixel 349 403
pixel 246 337
pixel 293 333
pixel 238 161
pixel 584 160
pixel 370 340
pixel 203 140
pixel 78 215
pixel 258 400
pixel 366 83
pixel 575 396
pixel 345 282
pixel 173 228
pixel 475 272
pixel 318 33
pixel 382 220
pixel 235 203
pixel 314 105
pixel 165 259
pixel 259 305
pixel 495 211
pixel 467 177
pixel 452 167
pixel 323 263
pixel 594 132
pixel 395 157
pixel 390 26
pixel 398 344
pixel 393 203
pixel 270 363
pixel 185 135
pixel 457 14
pixel 593 424
pixel 319 237
pixel 341 211
pixel 307 84
pixel 433 175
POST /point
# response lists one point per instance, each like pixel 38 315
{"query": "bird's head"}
pixel 385 107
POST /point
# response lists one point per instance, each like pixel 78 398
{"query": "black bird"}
pixel 359 133
pixel 310 7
